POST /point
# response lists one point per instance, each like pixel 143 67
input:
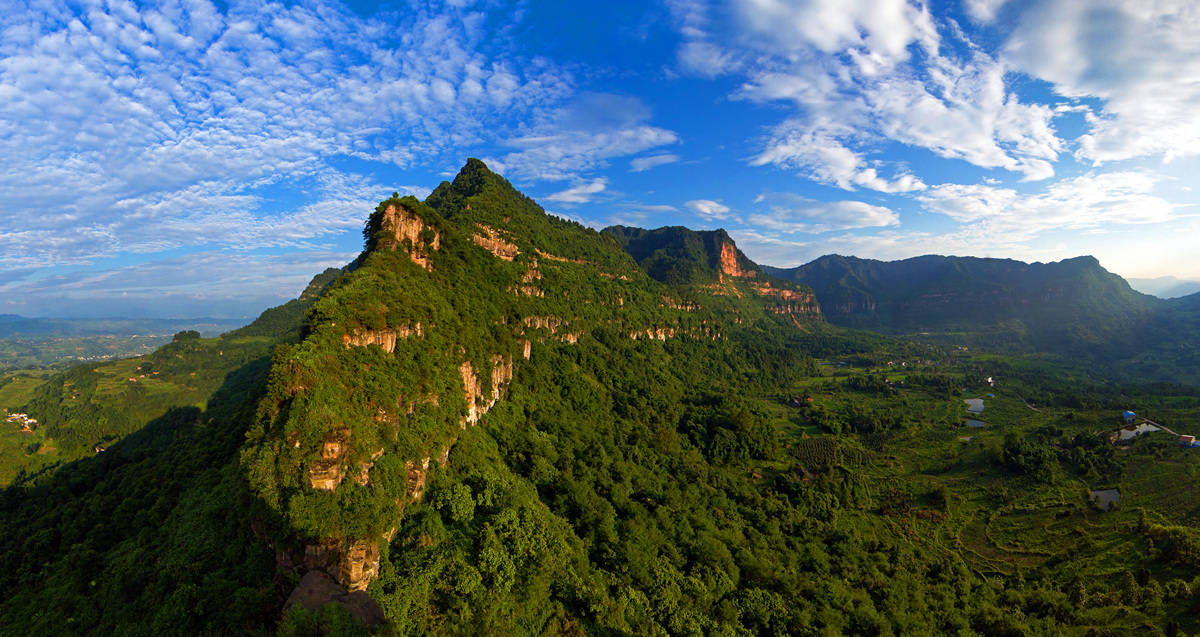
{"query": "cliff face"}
pixel 425 337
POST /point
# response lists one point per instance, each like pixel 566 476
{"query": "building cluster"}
pixel 1133 428
pixel 26 423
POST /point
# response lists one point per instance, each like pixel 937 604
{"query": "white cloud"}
pixel 582 136
pixel 983 10
pixel 820 156
pixel 581 193
pixel 792 213
pixel 861 74
pixel 878 30
pixel 163 128
pixel 1089 201
pixel 642 164
pixel 226 283
pixel 1141 58
pixel 710 210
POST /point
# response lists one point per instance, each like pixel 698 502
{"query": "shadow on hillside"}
pixel 159 530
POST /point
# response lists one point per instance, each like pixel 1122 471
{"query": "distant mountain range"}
pixel 1165 287
pixel 13 325
pixel 1074 308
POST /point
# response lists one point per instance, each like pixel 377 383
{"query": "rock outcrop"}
pixel 385 338
pixel 478 401
pixel 790 301
pixel 406 231
pixel 730 264
pixel 318 588
pixel 489 239
pixel 327 471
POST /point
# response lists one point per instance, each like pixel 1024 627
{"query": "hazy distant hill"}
pixel 12 324
pixel 1165 287
pixel 1072 308
pixel 1074 299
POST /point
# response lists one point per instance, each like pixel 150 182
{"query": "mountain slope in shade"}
pixel 1070 304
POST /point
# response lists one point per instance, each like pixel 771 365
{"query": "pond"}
pixel 976 423
pixel 1104 499
pixel 974 405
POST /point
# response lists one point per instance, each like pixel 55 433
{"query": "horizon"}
pixel 251 316
pixel 208 161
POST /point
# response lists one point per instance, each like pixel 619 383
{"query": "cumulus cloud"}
pixel 823 158
pixel 983 10
pixel 710 210
pixel 581 193
pixel 792 213
pixel 582 136
pixel 1141 58
pixel 1088 201
pixel 863 73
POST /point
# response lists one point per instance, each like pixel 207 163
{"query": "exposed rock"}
pixel 491 241
pixel 470 393
pixel 551 323
pixel 402 225
pixel 729 262
pixel 555 257
pixel 676 304
pixel 527 348
pixel 317 588
pixel 527 290
pixel 659 334
pixel 359 565
pixel 385 338
pixel 326 472
pixel 479 403
pixel 533 273
pixel 418 473
pixel 617 277
pixel 364 469
pixel 663 333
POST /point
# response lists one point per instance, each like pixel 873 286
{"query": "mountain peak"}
pixel 674 254
pixel 473 179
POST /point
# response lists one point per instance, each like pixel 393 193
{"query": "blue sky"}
pixel 192 158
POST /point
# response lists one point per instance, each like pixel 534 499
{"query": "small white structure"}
pixel 1126 434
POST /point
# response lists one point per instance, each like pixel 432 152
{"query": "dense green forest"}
pixel 499 421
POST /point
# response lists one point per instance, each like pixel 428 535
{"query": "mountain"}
pixel 1072 306
pixel 499 421
pixel 1165 287
pixel 676 255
